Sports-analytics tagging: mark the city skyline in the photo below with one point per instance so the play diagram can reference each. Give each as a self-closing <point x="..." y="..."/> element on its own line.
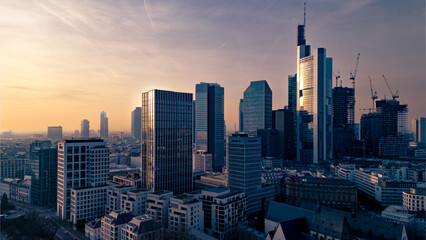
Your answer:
<point x="72" y="61"/>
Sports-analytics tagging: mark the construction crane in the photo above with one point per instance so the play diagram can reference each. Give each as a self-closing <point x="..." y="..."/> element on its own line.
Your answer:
<point x="337" y="77"/>
<point x="394" y="96"/>
<point x="352" y="77"/>
<point x="373" y="94"/>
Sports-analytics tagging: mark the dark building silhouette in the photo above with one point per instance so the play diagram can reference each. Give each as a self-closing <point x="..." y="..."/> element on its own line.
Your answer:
<point x="269" y="139"/>
<point x="343" y="119"/>
<point x="284" y="123"/>
<point x="136" y="123"/>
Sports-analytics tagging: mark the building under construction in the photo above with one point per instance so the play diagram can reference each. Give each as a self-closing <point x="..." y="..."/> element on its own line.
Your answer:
<point x="389" y="120"/>
<point x="343" y="119"/>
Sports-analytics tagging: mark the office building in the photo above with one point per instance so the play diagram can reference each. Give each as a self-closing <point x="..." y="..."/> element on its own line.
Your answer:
<point x="142" y="227"/>
<point x="85" y="129"/>
<point x="415" y="199"/>
<point x="114" y="197"/>
<point x="203" y="161"/>
<point x="314" y="103"/>
<point x="20" y="190"/>
<point x="54" y="133"/>
<point x="240" y="115"/>
<point x="135" y="201"/>
<point x="12" y="167"/>
<point x="393" y="146"/>
<point x="103" y="131"/>
<point x="112" y="224"/>
<point x="332" y="192"/>
<point x="158" y="206"/>
<point x="44" y="176"/>
<point x="136" y="123"/>
<point x="223" y="211"/>
<point x="292" y="94"/>
<point x="269" y="140"/>
<point x="343" y="120"/>
<point x="83" y="174"/>
<point x="256" y="107"/>
<point x="209" y="122"/>
<point x="167" y="141"/>
<point x="185" y="213"/>
<point x="245" y="170"/>
<point x="390" y="119"/>
<point x="130" y="179"/>
<point x="284" y="123"/>
<point x="419" y="131"/>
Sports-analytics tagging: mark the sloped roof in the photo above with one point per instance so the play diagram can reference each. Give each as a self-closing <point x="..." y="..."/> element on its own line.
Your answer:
<point x="281" y="212"/>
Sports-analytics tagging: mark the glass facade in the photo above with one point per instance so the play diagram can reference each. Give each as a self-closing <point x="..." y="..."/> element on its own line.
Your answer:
<point x="166" y="141"/>
<point x="136" y="123"/>
<point x="104" y="125"/>
<point x="257" y="107"/>
<point x="44" y="172"/>
<point x="209" y="122"/>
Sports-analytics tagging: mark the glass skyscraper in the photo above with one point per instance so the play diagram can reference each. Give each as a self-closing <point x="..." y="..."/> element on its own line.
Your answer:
<point x="85" y="128"/>
<point x="210" y="123"/>
<point x="256" y="107"/>
<point x="166" y="141"/>
<point x="44" y="174"/>
<point x="136" y="123"/>
<point x="245" y="170"/>
<point x="314" y="103"/>
<point x="104" y="125"/>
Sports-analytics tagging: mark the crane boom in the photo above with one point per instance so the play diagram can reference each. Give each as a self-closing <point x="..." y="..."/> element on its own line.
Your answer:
<point x="353" y="76"/>
<point x="394" y="96"/>
<point x="373" y="94"/>
<point x="336" y="76"/>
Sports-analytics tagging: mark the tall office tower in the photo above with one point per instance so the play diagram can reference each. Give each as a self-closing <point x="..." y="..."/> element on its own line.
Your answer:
<point x="104" y="125"/>
<point x="83" y="173"/>
<point x="286" y="129"/>
<point x="54" y="133"/>
<point x="44" y="176"/>
<point x="136" y="123"/>
<point x="85" y="128"/>
<point x="292" y="94"/>
<point x="314" y="103"/>
<point x="257" y="107"/>
<point x="241" y="116"/>
<point x="389" y="120"/>
<point x="209" y="122"/>
<point x="167" y="141"/>
<point x="343" y="119"/>
<point x="245" y="170"/>
<point x="419" y="130"/>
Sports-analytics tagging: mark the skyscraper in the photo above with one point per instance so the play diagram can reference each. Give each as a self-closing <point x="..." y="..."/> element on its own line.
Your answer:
<point x="44" y="176"/>
<point x="245" y="170"/>
<point x="241" y="116"/>
<point x="166" y="141"/>
<point x="292" y="94"/>
<point x="54" y="133"/>
<point x="85" y="128"/>
<point x="257" y="107"/>
<point x="210" y="123"/>
<point x="136" y="123"/>
<point x="104" y="125"/>
<point x="314" y="103"/>
<point x="343" y="119"/>
<point x="419" y="130"/>
<point x="285" y="125"/>
<point x="83" y="172"/>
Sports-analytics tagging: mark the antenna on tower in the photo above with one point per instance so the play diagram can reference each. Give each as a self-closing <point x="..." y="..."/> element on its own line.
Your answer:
<point x="304" y="14"/>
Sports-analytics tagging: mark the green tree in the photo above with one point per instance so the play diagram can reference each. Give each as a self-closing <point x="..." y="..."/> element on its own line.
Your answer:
<point x="5" y="205"/>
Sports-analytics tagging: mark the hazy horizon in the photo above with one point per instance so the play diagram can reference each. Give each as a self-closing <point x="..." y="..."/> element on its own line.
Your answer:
<point x="62" y="62"/>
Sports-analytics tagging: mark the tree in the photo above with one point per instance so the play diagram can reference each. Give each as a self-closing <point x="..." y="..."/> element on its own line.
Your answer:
<point x="5" y="205"/>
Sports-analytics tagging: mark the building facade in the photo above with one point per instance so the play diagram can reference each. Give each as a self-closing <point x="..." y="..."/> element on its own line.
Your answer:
<point x="136" y="123"/>
<point x="85" y="128"/>
<point x="256" y="107"/>
<point x="167" y="141"/>
<point x="142" y="228"/>
<point x="112" y="224"/>
<point x="104" y="125"/>
<point x="185" y="213"/>
<point x="158" y="206"/>
<point x="54" y="133"/>
<point x="210" y="122"/>
<point x="343" y="119"/>
<point x="415" y="199"/>
<point x="44" y="176"/>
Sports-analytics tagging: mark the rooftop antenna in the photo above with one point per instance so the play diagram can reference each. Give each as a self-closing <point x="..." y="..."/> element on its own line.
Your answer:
<point x="304" y="14"/>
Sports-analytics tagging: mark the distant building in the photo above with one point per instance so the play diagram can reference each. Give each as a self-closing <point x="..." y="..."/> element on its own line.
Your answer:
<point x="136" y="123"/>
<point x="20" y="190"/>
<point x="185" y="213"/>
<point x="269" y="139"/>
<point x="218" y="200"/>
<point x="257" y="107"/>
<point x="142" y="227"/>
<point x="245" y="170"/>
<point x="393" y="146"/>
<point x="158" y="206"/>
<point x="12" y="167"/>
<point x="130" y="179"/>
<point x="83" y="173"/>
<point x="284" y="123"/>
<point x="44" y="176"/>
<point x="54" y="133"/>
<point x="85" y="128"/>
<point x="167" y="141"/>
<point x="343" y="120"/>
<point x="104" y="125"/>
<point x="210" y="123"/>
<point x="419" y="130"/>
<point x="203" y="161"/>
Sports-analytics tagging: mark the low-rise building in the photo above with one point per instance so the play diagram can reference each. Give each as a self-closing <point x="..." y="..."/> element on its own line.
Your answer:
<point x="415" y="199"/>
<point x="113" y="223"/>
<point x="389" y="192"/>
<point x="130" y="179"/>
<point x="223" y="211"/>
<point x="20" y="190"/>
<point x="142" y="228"/>
<point x="185" y="213"/>
<point x="135" y="201"/>
<point x="88" y="203"/>
<point x="158" y="206"/>
<point x="92" y="229"/>
<point x="114" y="197"/>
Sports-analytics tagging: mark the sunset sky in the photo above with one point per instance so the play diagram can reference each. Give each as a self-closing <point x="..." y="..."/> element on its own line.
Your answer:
<point x="62" y="61"/>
